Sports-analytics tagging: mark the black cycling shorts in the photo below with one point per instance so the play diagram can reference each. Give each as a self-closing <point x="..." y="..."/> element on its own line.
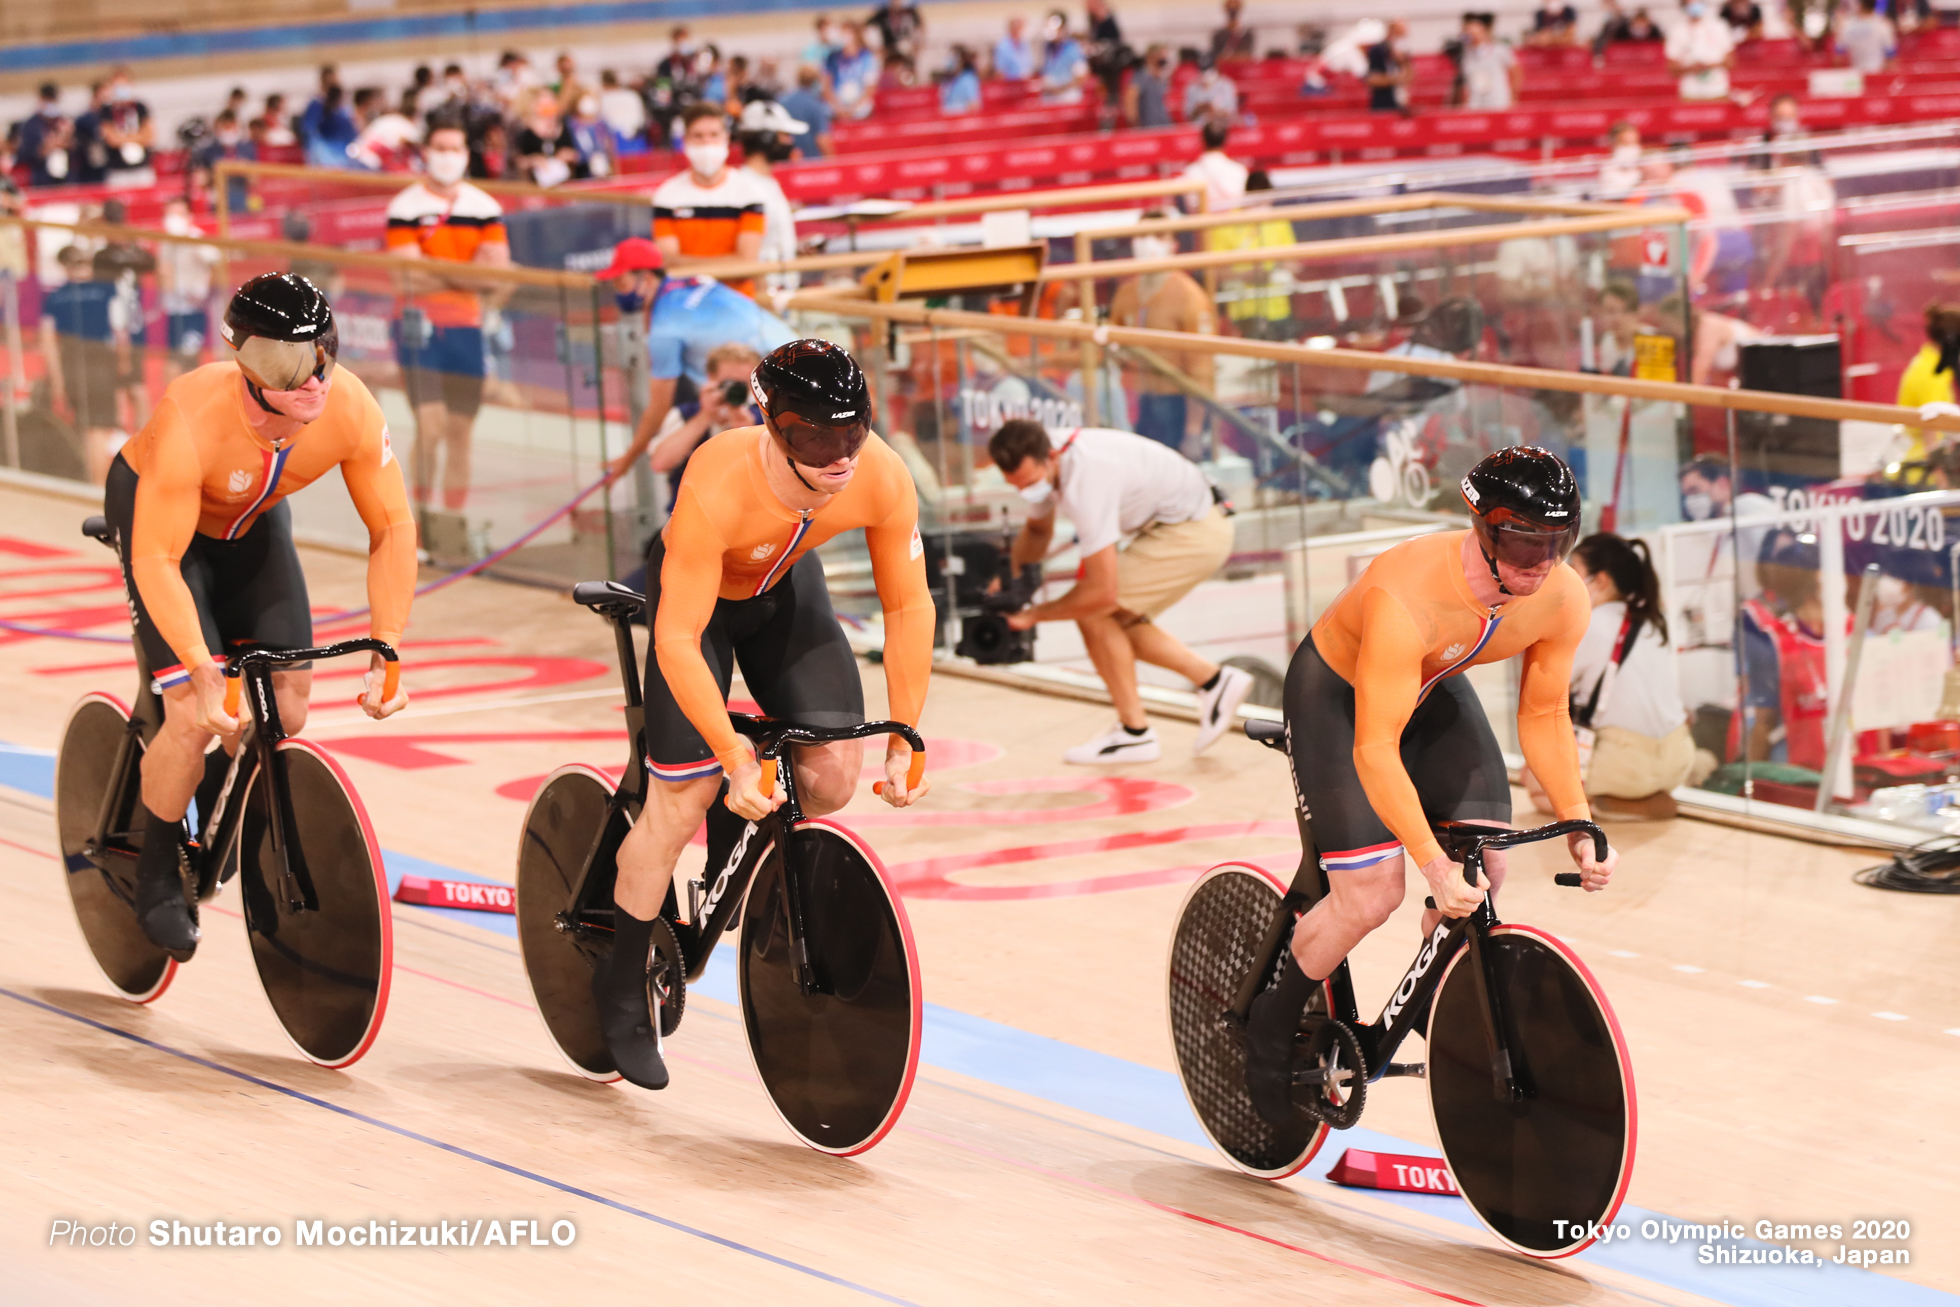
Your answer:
<point x="250" y="592"/>
<point x="795" y="662"/>
<point x="1447" y="748"/>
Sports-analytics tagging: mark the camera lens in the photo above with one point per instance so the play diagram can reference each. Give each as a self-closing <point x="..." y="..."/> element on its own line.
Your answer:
<point x="734" y="393"/>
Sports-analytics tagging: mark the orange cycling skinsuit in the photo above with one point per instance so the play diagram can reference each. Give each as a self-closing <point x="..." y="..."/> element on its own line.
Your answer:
<point x="198" y="502"/>
<point x="1377" y="682"/>
<point x="732" y="578"/>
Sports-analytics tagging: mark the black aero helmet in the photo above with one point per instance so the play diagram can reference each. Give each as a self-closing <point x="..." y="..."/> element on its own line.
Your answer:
<point x="282" y="330"/>
<point x="813" y="395"/>
<point x="1524" y="507"/>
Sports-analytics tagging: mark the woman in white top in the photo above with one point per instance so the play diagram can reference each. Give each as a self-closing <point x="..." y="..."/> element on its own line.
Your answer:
<point x="1626" y="696"/>
<point x="768" y="137"/>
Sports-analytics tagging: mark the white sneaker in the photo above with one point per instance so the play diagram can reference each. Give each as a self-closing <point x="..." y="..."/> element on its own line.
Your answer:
<point x="1113" y="746"/>
<point x="1218" y="707"/>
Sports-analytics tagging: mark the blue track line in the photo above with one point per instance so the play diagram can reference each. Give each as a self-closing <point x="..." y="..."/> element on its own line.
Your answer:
<point x="459" y="1151"/>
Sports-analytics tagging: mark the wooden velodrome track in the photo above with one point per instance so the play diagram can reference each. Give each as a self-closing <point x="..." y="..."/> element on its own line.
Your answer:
<point x="1796" y="1038"/>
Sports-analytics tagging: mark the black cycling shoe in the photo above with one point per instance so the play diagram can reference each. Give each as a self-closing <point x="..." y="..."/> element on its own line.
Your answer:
<point x="619" y="988"/>
<point x="165" y="913"/>
<point x="1272" y="1028"/>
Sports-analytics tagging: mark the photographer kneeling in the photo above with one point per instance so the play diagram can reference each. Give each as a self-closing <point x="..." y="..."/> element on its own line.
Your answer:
<point x="1113" y="484"/>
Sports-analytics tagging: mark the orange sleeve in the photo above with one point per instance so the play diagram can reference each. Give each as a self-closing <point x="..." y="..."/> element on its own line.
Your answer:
<point x="898" y="567"/>
<point x="752" y="220"/>
<point x="169" y="494"/>
<point x="495" y="234"/>
<point x="1387" y="679"/>
<point x="374" y="483"/>
<point x="1544" y="712"/>
<point x="690" y="582"/>
<point x="665" y="227"/>
<point x="402" y="236"/>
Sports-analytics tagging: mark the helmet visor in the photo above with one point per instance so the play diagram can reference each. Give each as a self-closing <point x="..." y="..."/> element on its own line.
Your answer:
<point x="284" y="364"/>
<point x="817" y="444"/>
<point x="1523" y="545"/>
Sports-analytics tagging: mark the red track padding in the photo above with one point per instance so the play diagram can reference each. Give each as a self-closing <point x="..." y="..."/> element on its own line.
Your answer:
<point x="1414" y="1175"/>
<point x="472" y="895"/>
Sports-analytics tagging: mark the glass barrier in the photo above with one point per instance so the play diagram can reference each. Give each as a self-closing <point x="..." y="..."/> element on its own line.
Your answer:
<point x="501" y="403"/>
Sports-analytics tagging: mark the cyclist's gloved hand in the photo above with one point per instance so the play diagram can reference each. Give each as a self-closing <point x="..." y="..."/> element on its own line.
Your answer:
<point x="208" y="684"/>
<point x="370" y="700"/>
<point x="745" y="797"/>
<point x="898" y="762"/>
<point x="1454" y="896"/>
<point x="1593" y="874"/>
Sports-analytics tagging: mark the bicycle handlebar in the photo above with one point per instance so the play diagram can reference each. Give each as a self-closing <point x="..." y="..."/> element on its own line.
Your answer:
<point x="771" y="736"/>
<point x="1469" y="842"/>
<point x="235" y="667"/>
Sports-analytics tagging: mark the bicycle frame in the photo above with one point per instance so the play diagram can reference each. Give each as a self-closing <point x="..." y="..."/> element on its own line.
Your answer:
<point x="1463" y="842"/>
<point x="715" y="906"/>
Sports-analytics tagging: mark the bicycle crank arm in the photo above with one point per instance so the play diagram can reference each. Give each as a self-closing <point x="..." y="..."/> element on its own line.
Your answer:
<point x="1413" y="1070"/>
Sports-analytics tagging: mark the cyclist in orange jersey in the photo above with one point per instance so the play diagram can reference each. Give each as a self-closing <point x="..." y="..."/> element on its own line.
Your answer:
<point x="733" y="580"/>
<point x="1385" y="738"/>
<point x="197" y="502"/>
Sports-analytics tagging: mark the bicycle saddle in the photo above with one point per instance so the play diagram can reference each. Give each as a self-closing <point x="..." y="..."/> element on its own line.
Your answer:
<point x="1270" y="734"/>
<point x="608" y="597"/>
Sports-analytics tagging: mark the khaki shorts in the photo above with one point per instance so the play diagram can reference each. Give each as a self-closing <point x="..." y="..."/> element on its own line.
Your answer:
<point x="1166" y="560"/>
<point x="1628" y="765"/>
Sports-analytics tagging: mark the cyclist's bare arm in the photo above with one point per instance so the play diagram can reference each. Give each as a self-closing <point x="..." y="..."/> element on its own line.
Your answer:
<point x="374" y="482"/>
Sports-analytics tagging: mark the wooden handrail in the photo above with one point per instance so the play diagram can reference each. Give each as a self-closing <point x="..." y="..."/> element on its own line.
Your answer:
<point x="1066" y="197"/>
<point x="1489" y="374"/>
<point x="1356" y="209"/>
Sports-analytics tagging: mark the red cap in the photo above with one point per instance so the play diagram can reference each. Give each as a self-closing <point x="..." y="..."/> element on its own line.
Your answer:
<point x="636" y="255"/>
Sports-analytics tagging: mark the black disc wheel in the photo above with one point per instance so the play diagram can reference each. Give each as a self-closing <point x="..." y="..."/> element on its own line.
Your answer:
<point x="1220" y="929"/>
<point x="1541" y="1171"/>
<point x="560" y="829"/>
<point x="102" y="877"/>
<point x="326" y="971"/>
<point x="838" y="1061"/>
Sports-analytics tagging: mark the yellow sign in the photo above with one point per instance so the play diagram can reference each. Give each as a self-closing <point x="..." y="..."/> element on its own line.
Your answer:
<point x="1653" y="358"/>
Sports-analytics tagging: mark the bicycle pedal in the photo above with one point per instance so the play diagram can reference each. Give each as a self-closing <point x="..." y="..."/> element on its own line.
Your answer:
<point x="1413" y="1070"/>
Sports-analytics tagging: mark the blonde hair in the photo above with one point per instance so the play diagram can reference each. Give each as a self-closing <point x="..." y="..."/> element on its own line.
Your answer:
<point x="733" y="352"/>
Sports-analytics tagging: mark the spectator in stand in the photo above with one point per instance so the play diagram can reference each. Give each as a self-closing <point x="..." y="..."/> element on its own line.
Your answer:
<point x="126" y="133"/>
<point x="1491" y="76"/>
<point x="708" y="211"/>
<point x="227" y="142"/>
<point x="901" y="28"/>
<point x="1146" y="100"/>
<point x="236" y="101"/>
<point x="1167" y="300"/>
<point x="444" y="219"/>
<point x="455" y="89"/>
<point x="598" y="148"/>
<point x="767" y="84"/>
<point x="1234" y="40"/>
<point x="1556" y="23"/>
<point x="569" y="86"/>
<point x="677" y="65"/>
<point x="1108" y="57"/>
<point x="423" y="94"/>
<point x="1064" y="68"/>
<point x="1258" y="296"/>
<point x="388" y="140"/>
<point x="1013" y="54"/>
<point x="687" y="320"/>
<point x="1211" y="97"/>
<point x="544" y="149"/>
<point x="960" y="93"/>
<point x="1616" y="321"/>
<point x="1868" y="40"/>
<point x="768" y="137"/>
<point x="1745" y="19"/>
<point x="1223" y="176"/>
<point x="624" y="111"/>
<point x="280" y="133"/>
<point x="326" y="129"/>
<point x="1390" y="70"/>
<point x="741" y="85"/>
<point x="47" y="141"/>
<point x="490" y="151"/>
<point x="823" y="44"/>
<point x="1620" y="28"/>
<point x="1622" y="173"/>
<point x="89" y="165"/>
<point x="895" y="73"/>
<point x="722" y="403"/>
<point x="710" y="78"/>
<point x="184" y="280"/>
<point x="853" y="72"/>
<point x="1928" y="379"/>
<point x="1642" y="28"/>
<point x="79" y="346"/>
<point x="806" y="104"/>
<point x="1700" y="52"/>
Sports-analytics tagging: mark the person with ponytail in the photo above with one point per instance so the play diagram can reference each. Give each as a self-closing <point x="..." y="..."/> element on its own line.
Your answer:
<point x="1928" y="379"/>
<point x="1634" y="740"/>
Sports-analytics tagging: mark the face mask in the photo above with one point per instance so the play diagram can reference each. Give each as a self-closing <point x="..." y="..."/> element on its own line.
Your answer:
<point x="457" y="86"/>
<point x="778" y="150"/>
<point x="1784" y="127"/>
<point x="1626" y="154"/>
<point x="1053" y="28"/>
<point x="588" y="107"/>
<point x="1153" y="247"/>
<point x="227" y="138"/>
<point x="121" y="94"/>
<point x="707" y="160"/>
<point x="1695" y="11"/>
<point x="51" y="111"/>
<point x="1039" y="492"/>
<point x="446" y="167"/>
<point x="177" y="224"/>
<point x="1699" y="505"/>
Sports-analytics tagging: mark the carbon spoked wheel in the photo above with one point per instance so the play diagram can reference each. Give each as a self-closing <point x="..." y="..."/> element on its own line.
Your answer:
<point x="560" y="829"/>
<point x="1220" y="928"/>
<point x="101" y="882"/>
<point x="1565" y="1154"/>
<point x="325" y="972"/>
<point x="838" y="1064"/>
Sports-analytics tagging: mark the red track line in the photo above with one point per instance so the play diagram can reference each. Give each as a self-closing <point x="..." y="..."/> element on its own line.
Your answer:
<point x="457" y="984"/>
<point x="26" y="848"/>
<point x="1189" y="1216"/>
